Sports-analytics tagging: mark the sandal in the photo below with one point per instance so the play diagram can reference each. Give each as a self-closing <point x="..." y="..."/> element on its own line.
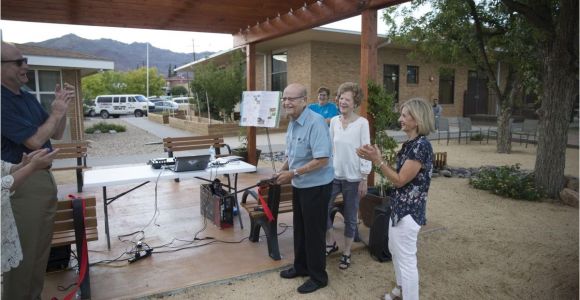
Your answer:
<point x="344" y="262"/>
<point x="395" y="294"/>
<point x="331" y="248"/>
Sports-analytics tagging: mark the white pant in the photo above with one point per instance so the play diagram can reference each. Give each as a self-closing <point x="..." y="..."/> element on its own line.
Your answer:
<point x="403" y="247"/>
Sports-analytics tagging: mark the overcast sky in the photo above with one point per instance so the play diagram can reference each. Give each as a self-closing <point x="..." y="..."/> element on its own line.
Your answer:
<point x="177" y="41"/>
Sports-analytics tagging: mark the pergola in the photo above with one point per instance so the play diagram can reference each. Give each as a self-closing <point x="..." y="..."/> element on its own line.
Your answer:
<point x="249" y="21"/>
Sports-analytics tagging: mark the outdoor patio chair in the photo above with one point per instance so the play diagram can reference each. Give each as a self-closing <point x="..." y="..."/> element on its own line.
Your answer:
<point x="492" y="131"/>
<point x="443" y="128"/>
<point x="466" y="130"/>
<point x="529" y="130"/>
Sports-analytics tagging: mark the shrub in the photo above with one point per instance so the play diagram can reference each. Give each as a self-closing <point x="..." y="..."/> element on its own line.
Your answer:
<point x="105" y="127"/>
<point x="507" y="181"/>
<point x="477" y="137"/>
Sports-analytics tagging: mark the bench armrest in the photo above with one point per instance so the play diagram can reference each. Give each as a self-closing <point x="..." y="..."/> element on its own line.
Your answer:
<point x="250" y="193"/>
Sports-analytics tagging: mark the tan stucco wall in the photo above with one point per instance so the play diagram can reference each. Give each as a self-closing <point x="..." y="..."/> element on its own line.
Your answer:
<point x="299" y="65"/>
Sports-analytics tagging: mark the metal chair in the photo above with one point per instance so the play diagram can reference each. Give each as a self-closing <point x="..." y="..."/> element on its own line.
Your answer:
<point x="466" y="129"/>
<point x="493" y="130"/>
<point x="443" y="127"/>
<point x="529" y="129"/>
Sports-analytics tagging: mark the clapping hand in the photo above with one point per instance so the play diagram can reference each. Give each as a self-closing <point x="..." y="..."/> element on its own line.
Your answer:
<point x="369" y="152"/>
<point x="63" y="96"/>
<point x="39" y="159"/>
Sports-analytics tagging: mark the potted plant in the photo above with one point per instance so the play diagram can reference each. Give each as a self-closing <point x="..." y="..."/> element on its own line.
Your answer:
<point x="381" y="108"/>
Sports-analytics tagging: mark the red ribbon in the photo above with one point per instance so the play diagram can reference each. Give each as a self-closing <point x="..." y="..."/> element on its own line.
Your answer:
<point x="265" y="205"/>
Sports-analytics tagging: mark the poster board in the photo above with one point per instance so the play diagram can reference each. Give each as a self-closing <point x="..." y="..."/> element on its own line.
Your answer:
<point x="260" y="109"/>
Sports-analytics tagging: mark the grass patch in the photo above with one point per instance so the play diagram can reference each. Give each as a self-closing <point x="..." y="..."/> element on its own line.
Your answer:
<point x="105" y="127"/>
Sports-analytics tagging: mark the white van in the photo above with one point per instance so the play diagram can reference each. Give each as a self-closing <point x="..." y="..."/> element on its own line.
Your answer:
<point x="183" y="102"/>
<point x="116" y="105"/>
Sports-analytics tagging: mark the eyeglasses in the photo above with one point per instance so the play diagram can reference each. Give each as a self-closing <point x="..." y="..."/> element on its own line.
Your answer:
<point x="18" y="62"/>
<point x="291" y="99"/>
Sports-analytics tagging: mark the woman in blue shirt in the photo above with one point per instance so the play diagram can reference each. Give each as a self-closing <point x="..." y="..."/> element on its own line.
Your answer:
<point x="411" y="179"/>
<point x="324" y="107"/>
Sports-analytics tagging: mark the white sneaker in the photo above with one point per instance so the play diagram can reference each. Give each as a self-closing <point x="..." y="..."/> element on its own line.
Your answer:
<point x="395" y="294"/>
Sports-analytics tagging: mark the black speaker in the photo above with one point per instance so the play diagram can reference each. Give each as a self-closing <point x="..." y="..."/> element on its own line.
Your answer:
<point x="379" y="235"/>
<point x="59" y="258"/>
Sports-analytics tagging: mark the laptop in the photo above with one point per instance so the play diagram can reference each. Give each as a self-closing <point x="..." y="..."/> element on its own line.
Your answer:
<point x="190" y="163"/>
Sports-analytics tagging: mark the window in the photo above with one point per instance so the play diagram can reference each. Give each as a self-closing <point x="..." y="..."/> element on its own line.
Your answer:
<point x="279" y="71"/>
<point x="446" y="85"/>
<point x="41" y="84"/>
<point x="105" y="100"/>
<point x="391" y="80"/>
<point x="412" y="75"/>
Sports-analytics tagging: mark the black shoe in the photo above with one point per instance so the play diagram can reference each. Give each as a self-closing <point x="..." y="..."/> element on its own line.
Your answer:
<point x="309" y="286"/>
<point x="290" y="273"/>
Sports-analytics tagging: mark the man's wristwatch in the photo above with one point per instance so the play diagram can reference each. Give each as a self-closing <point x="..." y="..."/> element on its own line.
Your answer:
<point x="295" y="172"/>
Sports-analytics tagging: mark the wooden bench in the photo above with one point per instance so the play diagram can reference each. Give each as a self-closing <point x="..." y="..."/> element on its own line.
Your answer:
<point x="279" y="201"/>
<point x="74" y="150"/>
<point x="176" y="144"/>
<point x="69" y="228"/>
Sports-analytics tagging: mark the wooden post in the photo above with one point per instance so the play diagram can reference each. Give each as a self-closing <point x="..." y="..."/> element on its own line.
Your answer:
<point x="251" y="86"/>
<point x="368" y="66"/>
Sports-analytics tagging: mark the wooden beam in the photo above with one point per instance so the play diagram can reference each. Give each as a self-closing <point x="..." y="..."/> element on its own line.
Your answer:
<point x="309" y="16"/>
<point x="368" y="66"/>
<point x="251" y="86"/>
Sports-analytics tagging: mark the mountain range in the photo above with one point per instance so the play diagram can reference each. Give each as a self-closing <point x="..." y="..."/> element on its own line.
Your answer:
<point x="126" y="56"/>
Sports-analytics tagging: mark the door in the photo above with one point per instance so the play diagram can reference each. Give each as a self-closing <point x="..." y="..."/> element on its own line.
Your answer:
<point x="476" y="97"/>
<point x="391" y="80"/>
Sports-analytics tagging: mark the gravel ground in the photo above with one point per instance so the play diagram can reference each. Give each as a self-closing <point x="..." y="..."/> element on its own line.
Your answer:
<point x="131" y="142"/>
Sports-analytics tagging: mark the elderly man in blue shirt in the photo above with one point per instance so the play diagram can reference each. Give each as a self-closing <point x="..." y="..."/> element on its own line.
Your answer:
<point x="309" y="167"/>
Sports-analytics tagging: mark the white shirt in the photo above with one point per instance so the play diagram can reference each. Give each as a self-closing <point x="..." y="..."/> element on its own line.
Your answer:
<point x="11" y="251"/>
<point x="347" y="165"/>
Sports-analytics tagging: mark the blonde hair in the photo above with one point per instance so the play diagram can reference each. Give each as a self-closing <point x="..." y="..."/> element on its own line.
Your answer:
<point x="357" y="93"/>
<point x="422" y="112"/>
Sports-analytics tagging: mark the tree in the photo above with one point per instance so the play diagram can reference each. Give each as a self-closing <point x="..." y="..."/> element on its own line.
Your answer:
<point x="223" y="85"/>
<point x="539" y="40"/>
<point x="132" y="82"/>
<point x="481" y="35"/>
<point x="136" y="82"/>
<point x="555" y="25"/>
<point x="179" y="91"/>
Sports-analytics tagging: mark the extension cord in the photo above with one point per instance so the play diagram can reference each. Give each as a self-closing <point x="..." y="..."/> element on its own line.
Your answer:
<point x="138" y="256"/>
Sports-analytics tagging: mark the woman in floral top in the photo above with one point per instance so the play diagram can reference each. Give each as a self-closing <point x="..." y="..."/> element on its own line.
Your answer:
<point x="12" y="177"/>
<point x="411" y="179"/>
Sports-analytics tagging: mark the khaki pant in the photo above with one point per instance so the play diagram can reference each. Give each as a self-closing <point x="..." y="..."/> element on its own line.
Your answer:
<point x="34" y="204"/>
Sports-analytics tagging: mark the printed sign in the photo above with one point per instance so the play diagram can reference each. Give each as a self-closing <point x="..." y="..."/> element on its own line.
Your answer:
<point x="260" y="109"/>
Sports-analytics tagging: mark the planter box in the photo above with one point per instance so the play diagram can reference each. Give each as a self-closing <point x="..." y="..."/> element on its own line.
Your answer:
<point x="158" y="118"/>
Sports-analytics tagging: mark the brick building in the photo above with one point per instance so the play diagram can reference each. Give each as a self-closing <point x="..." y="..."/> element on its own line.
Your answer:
<point x="328" y="57"/>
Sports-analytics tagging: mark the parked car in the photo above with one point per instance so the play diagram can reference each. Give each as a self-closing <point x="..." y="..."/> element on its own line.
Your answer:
<point x="183" y="102"/>
<point x="116" y="105"/>
<point x="166" y="106"/>
<point x="155" y="99"/>
<point x="89" y="110"/>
